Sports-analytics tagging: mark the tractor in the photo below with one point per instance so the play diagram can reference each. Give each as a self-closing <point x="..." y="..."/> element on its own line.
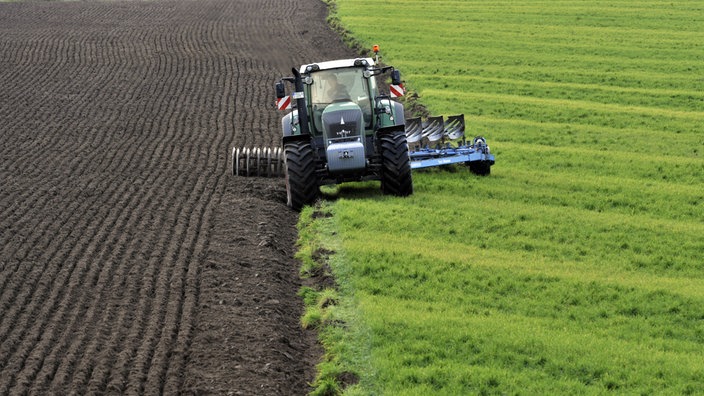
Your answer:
<point x="341" y="127"/>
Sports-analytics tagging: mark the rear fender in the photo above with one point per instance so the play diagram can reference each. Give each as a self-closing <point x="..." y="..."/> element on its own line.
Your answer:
<point x="399" y="115"/>
<point x="401" y="128"/>
<point x="297" y="138"/>
<point x="287" y="123"/>
<point x="389" y="112"/>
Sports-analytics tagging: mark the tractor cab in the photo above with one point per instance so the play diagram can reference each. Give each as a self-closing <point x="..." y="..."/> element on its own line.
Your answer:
<point x="340" y="88"/>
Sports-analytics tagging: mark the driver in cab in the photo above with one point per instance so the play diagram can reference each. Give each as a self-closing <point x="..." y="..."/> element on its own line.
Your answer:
<point x="335" y="91"/>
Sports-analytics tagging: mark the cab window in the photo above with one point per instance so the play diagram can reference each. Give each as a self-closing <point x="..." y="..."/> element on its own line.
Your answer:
<point x="336" y="85"/>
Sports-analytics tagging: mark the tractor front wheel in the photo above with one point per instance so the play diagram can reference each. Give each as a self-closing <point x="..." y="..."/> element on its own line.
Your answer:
<point x="301" y="183"/>
<point x="396" y="176"/>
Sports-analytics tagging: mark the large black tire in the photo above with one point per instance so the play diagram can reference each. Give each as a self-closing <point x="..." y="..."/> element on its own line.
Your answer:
<point x="301" y="183"/>
<point x="481" y="168"/>
<point x="396" y="176"/>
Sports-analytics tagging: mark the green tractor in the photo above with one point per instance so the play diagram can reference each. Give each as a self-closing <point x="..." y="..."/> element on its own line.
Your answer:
<point x="341" y="129"/>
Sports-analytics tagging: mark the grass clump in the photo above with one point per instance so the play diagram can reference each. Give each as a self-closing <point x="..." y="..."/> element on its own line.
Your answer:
<point x="329" y="306"/>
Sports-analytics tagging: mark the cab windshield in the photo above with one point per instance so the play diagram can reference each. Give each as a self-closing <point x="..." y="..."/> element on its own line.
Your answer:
<point x="340" y="85"/>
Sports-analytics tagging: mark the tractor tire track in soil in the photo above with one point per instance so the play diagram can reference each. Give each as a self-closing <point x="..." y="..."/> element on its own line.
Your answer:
<point x="130" y="260"/>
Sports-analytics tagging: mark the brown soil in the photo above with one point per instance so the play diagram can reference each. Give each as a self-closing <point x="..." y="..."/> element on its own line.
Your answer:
<point x="131" y="261"/>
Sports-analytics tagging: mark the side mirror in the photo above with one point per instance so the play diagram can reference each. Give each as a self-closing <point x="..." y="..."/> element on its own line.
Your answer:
<point x="396" y="77"/>
<point x="280" y="90"/>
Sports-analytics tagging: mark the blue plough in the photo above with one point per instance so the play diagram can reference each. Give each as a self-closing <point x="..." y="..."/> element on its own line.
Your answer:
<point x="438" y="142"/>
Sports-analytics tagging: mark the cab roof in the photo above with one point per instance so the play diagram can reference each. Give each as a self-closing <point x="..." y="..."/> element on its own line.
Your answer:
<point x="336" y="64"/>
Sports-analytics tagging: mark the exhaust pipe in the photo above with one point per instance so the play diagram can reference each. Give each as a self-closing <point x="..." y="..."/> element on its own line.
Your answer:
<point x="299" y="95"/>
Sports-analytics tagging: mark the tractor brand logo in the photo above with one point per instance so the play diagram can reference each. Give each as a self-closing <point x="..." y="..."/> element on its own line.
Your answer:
<point x="343" y="133"/>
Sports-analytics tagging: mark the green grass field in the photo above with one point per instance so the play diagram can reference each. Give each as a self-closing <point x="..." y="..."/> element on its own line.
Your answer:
<point x="577" y="267"/>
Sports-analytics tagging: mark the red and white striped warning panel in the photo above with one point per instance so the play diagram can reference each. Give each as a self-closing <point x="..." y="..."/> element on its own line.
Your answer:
<point x="284" y="103"/>
<point x="396" y="90"/>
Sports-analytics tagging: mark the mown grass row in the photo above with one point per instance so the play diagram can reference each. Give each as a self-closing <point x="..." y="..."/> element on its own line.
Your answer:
<point x="575" y="268"/>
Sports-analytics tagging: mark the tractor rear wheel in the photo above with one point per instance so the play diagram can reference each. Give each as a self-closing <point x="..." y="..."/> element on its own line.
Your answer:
<point x="396" y="176"/>
<point x="481" y="168"/>
<point x="301" y="183"/>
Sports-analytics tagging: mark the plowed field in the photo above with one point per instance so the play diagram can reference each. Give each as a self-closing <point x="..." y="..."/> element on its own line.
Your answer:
<point x="131" y="261"/>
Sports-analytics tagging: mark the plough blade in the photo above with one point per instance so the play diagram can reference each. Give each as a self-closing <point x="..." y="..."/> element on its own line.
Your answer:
<point x="262" y="162"/>
<point x="434" y="130"/>
<point x="414" y="131"/>
<point x="454" y="127"/>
